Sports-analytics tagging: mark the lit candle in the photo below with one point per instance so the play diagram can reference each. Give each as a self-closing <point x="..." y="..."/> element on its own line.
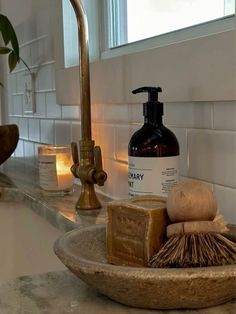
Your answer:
<point x="54" y="168"/>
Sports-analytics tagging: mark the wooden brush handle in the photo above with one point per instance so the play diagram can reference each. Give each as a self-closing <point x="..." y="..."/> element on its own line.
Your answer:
<point x="193" y="227"/>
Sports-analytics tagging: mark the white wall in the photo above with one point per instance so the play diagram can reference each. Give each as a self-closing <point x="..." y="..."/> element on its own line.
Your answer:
<point x="206" y="130"/>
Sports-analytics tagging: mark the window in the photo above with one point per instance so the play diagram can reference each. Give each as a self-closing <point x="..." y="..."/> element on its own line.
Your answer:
<point x="131" y="21"/>
<point x="134" y="20"/>
<point x="70" y="35"/>
<point x="192" y="64"/>
<point x="70" y="31"/>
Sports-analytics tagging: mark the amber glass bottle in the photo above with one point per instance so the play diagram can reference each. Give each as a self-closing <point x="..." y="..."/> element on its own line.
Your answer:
<point x="153" y="151"/>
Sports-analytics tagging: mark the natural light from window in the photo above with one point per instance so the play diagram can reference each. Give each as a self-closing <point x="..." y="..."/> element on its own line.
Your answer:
<point x="134" y="20"/>
<point x="154" y="17"/>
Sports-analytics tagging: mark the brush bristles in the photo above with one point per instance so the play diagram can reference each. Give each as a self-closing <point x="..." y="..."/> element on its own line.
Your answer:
<point x="195" y="250"/>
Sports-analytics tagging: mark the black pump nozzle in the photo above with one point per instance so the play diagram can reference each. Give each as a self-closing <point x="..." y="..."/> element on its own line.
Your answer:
<point x="152" y="92"/>
<point x="153" y="108"/>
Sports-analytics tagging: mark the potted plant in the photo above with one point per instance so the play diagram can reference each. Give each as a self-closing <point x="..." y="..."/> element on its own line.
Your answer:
<point x="11" y="45"/>
<point x="9" y="134"/>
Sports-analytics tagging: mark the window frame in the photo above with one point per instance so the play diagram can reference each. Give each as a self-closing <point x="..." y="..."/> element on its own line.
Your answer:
<point x="189" y="33"/>
<point x="118" y="62"/>
<point x="118" y="34"/>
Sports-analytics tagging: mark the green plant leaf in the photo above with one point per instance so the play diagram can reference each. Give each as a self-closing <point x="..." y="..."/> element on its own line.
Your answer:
<point x="9" y="35"/>
<point x="4" y="29"/>
<point x="26" y="65"/>
<point x="12" y="61"/>
<point x="4" y="50"/>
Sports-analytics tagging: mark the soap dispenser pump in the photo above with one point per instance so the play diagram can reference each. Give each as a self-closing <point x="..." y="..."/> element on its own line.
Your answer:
<point x="153" y="163"/>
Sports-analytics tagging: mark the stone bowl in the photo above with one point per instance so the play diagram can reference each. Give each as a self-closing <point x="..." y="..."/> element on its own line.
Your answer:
<point x="9" y="136"/>
<point x="83" y="251"/>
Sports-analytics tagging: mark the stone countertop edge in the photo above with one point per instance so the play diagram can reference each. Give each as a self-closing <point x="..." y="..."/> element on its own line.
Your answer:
<point x="20" y="183"/>
<point x="53" y="216"/>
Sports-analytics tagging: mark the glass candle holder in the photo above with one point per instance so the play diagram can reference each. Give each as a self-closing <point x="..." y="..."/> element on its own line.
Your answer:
<point x="54" y="169"/>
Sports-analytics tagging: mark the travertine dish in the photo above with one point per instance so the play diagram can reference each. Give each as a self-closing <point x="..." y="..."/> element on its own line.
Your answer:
<point x="83" y="251"/>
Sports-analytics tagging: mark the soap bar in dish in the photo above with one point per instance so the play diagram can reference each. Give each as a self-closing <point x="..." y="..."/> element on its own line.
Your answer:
<point x="135" y="230"/>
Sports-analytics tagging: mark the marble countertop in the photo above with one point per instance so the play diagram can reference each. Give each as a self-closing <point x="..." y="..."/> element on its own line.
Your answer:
<point x="19" y="181"/>
<point x="61" y="292"/>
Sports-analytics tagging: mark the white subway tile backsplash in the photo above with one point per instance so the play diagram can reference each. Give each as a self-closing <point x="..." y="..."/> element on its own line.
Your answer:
<point x="34" y="130"/>
<point x="53" y="110"/>
<point x="107" y="140"/>
<point x="212" y="156"/>
<point x="20" y="77"/>
<point x="47" y="131"/>
<point x="122" y="138"/>
<point x="191" y="115"/>
<point x="53" y="76"/>
<point x="97" y="112"/>
<point x="205" y="130"/>
<point x="17" y="105"/>
<point x="76" y="132"/>
<point x="25" y="54"/>
<point x="116" y="113"/>
<point x="136" y="113"/>
<point x="96" y="133"/>
<point x="29" y="152"/>
<point x="23" y="128"/>
<point x="19" y="151"/>
<point x="100" y="77"/>
<point x="226" y="199"/>
<point x="48" y="48"/>
<point x="44" y="78"/>
<point x="37" y="52"/>
<point x="181" y="135"/>
<point x="36" y="146"/>
<point x="10" y="105"/>
<point x="26" y="32"/>
<point x="224" y="115"/>
<point x="12" y="81"/>
<point x="71" y="112"/>
<point x="40" y="105"/>
<point x="117" y="180"/>
<point x="13" y="120"/>
<point x="62" y="132"/>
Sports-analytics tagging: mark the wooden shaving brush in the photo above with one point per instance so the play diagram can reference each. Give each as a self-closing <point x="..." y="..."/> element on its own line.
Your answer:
<point x="194" y="237"/>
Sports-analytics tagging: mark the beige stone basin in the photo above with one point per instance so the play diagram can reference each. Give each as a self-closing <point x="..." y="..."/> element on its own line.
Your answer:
<point x="83" y="251"/>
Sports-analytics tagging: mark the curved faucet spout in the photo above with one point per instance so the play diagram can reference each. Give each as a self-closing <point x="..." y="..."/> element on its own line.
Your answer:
<point x="84" y="69"/>
<point x="87" y="169"/>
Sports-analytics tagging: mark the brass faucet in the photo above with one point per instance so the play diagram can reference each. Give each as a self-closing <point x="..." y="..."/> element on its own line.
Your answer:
<point x="89" y="168"/>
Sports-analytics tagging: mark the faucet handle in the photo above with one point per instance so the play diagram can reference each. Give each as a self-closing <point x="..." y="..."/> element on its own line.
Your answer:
<point x="100" y="175"/>
<point x="75" y="158"/>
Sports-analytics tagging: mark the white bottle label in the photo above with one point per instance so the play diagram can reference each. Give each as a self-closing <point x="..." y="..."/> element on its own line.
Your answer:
<point x="48" y="173"/>
<point x="152" y="175"/>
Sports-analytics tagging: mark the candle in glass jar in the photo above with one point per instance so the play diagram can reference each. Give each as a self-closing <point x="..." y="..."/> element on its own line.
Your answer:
<point x="54" y="168"/>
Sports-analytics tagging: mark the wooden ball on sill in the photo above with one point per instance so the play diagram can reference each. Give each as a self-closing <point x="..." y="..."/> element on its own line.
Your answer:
<point x="191" y="201"/>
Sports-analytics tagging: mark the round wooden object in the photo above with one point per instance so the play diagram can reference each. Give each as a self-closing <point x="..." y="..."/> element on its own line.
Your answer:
<point x="191" y="201"/>
<point x="9" y="136"/>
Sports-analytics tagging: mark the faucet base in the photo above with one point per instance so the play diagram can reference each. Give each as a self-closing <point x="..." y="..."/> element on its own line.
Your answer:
<point x="88" y="199"/>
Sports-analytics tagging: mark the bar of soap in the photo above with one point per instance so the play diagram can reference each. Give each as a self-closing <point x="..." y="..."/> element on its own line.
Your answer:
<point x="135" y="230"/>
